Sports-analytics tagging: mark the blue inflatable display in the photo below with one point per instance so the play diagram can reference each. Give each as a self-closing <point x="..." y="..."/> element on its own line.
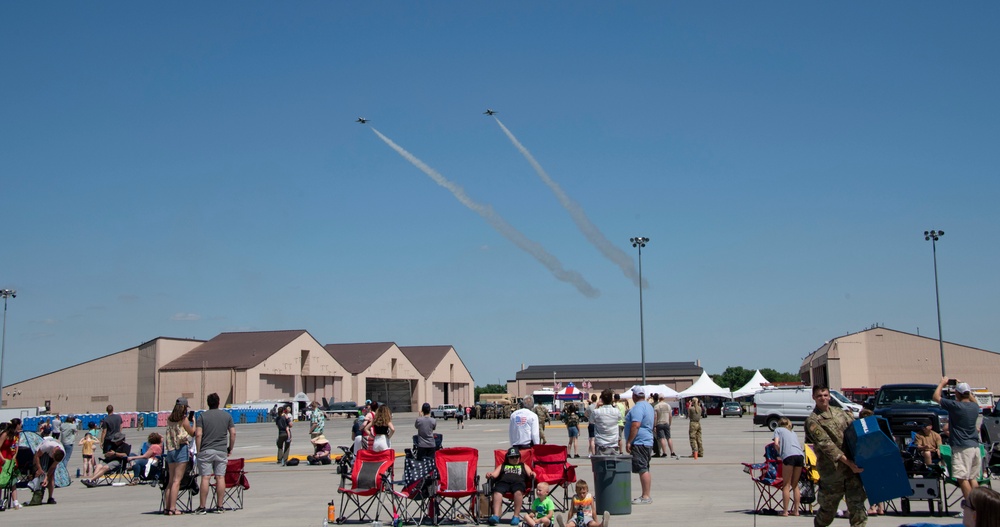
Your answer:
<point x="884" y="476"/>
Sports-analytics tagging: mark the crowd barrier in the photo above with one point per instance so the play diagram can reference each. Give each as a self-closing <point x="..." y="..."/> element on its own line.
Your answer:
<point x="148" y="419"/>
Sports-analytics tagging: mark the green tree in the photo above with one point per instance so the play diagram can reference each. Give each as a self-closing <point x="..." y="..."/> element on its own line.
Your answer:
<point x="733" y="378"/>
<point x="490" y="388"/>
<point x="776" y="376"/>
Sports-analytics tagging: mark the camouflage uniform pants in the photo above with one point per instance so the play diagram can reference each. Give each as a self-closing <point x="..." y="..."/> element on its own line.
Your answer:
<point x="694" y="434"/>
<point x="835" y="484"/>
<point x="541" y="432"/>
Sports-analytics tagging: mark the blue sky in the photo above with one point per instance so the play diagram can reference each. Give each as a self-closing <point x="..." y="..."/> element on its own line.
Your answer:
<point x="184" y="169"/>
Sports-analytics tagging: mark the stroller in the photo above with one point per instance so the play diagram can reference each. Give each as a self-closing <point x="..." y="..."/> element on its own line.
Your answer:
<point x="345" y="463"/>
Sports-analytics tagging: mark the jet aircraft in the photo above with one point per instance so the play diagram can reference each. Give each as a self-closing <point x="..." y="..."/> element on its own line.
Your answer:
<point x="361" y="120"/>
<point x="489" y="112"/>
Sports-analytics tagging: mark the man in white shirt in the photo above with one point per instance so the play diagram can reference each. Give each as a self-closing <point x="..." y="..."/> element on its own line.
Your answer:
<point x="605" y="418"/>
<point x="48" y="455"/>
<point x="524" y="425"/>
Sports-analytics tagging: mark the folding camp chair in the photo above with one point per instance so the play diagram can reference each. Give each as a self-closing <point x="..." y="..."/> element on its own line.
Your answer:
<point x="551" y="466"/>
<point x="123" y="471"/>
<point x="458" y="482"/>
<point x="954" y="496"/>
<point x="370" y="478"/>
<point x="236" y="484"/>
<point x="766" y="477"/>
<point x="528" y="458"/>
<point x="414" y="501"/>
<point x="8" y="481"/>
<point x="188" y="489"/>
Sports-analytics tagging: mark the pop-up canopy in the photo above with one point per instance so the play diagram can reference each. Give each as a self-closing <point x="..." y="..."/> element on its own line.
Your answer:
<point x="569" y="393"/>
<point x="662" y="389"/>
<point x="751" y="387"/>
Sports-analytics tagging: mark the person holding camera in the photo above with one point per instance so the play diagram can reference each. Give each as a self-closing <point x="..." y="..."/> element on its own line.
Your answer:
<point x="963" y="413"/>
<point x="178" y="452"/>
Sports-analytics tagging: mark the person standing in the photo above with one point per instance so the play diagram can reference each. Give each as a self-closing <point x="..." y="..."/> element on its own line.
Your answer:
<point x="639" y="441"/>
<point x="67" y="435"/>
<point x="694" y="428"/>
<point x="317" y="422"/>
<point x="177" y="452"/>
<point x="620" y="405"/>
<point x="215" y="437"/>
<point x="284" y="442"/>
<point x="664" y="418"/>
<point x="605" y="419"/>
<point x="110" y="425"/>
<point x="572" y="421"/>
<point x="589" y="414"/>
<point x="523" y="429"/>
<point x="838" y="474"/>
<point x="425" y="425"/>
<point x="543" y="417"/>
<point x="792" y="458"/>
<point x="56" y="425"/>
<point x="963" y="413"/>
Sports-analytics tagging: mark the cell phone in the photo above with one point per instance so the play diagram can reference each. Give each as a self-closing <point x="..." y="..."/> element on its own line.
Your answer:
<point x="952" y="382"/>
<point x="191" y="415"/>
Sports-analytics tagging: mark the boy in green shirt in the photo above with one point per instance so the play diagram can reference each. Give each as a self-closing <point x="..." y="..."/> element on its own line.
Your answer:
<point x="542" y="508"/>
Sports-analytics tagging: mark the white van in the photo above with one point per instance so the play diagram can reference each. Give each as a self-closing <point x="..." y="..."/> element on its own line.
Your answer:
<point x="795" y="403"/>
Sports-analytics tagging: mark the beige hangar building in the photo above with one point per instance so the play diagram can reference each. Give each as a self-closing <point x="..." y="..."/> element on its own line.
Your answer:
<point x="879" y="355"/>
<point x="250" y="366"/>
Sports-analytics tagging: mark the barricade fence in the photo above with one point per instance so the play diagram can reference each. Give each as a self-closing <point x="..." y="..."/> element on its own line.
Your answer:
<point x="143" y="419"/>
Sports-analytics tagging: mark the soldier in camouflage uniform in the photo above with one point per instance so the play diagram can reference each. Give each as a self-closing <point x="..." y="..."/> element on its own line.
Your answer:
<point x="694" y="429"/>
<point x="838" y="475"/>
<point x="543" y="417"/>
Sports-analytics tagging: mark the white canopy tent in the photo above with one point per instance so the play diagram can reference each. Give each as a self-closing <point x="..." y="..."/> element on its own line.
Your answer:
<point x="751" y="387"/>
<point x="661" y="389"/>
<point x="705" y="387"/>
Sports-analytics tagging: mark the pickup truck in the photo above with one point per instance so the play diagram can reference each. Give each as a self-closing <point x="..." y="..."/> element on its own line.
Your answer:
<point x="444" y="411"/>
<point x="908" y="407"/>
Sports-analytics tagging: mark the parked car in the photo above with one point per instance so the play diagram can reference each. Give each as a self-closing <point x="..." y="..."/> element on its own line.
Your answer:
<point x="732" y="409"/>
<point x="444" y="411"/>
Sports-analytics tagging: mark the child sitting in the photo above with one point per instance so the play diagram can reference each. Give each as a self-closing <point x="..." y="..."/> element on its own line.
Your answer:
<point x="542" y="508"/>
<point x="583" y="510"/>
<point x="509" y="478"/>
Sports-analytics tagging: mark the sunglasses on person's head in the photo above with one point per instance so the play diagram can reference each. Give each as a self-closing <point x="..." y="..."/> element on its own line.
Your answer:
<point x="967" y="505"/>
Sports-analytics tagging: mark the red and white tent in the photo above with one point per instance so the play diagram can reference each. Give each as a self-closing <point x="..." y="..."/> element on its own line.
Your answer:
<point x="570" y="393"/>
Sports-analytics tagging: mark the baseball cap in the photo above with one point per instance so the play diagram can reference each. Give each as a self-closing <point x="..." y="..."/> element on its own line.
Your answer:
<point x="963" y="388"/>
<point x="183" y="401"/>
<point x="639" y="390"/>
<point x="513" y="452"/>
<point x="368" y="401"/>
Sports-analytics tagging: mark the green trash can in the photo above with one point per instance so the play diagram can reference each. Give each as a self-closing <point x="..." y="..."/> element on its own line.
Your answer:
<point x="612" y="484"/>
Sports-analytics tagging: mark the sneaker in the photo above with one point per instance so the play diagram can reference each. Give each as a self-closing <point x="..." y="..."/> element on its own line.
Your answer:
<point x="51" y="501"/>
<point x="674" y="456"/>
<point x="516" y="520"/>
<point x="642" y="501"/>
<point x="560" y="521"/>
<point x="200" y="511"/>
<point x="218" y="511"/>
<point x="89" y="483"/>
<point x="493" y="520"/>
<point x="607" y="519"/>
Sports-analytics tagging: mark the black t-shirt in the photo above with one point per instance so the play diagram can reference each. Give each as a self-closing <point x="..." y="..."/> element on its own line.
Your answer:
<point x="512" y="473"/>
<point x="123" y="448"/>
<point x="282" y="423"/>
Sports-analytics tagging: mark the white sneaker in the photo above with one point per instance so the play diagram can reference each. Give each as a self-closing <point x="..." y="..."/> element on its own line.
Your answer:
<point x="607" y="519"/>
<point x="560" y="521"/>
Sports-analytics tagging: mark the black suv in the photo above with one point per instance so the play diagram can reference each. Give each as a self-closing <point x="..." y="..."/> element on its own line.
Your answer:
<point x="908" y="407"/>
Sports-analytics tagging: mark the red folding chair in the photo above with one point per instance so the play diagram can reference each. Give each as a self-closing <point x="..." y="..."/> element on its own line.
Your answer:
<point x="236" y="484"/>
<point x="767" y="480"/>
<point x="551" y="466"/>
<point x="370" y="479"/>
<point x="457" y="491"/>
<point x="528" y="458"/>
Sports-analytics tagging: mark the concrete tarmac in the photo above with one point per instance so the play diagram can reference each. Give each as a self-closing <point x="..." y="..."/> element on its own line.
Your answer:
<point x="712" y="490"/>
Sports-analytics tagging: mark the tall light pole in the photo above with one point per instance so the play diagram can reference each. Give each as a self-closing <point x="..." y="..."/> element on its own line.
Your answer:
<point x="640" y="242"/>
<point x="5" y="293"/>
<point x="933" y="237"/>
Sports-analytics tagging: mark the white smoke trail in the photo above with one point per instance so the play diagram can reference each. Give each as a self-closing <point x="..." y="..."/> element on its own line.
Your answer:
<point x="498" y="223"/>
<point x="589" y="230"/>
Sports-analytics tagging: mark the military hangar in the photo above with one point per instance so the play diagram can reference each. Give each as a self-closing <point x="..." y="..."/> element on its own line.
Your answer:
<point x="249" y="366"/>
<point x="879" y="355"/>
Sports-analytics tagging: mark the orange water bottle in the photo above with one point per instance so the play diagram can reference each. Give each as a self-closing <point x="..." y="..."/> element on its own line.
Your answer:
<point x="331" y="511"/>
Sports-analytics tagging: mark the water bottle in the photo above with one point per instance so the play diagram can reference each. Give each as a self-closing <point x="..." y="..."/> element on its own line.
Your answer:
<point x="331" y="513"/>
<point x="579" y="517"/>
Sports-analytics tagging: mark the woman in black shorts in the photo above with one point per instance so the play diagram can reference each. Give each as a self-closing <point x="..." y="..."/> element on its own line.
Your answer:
<point x="792" y="460"/>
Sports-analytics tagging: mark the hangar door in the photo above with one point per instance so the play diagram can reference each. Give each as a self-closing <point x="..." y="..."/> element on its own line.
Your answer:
<point x="397" y="393"/>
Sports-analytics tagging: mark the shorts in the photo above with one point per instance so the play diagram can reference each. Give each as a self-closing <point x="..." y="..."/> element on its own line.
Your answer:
<point x="573" y="431"/>
<point x="45" y="461"/>
<point x="88" y="456"/>
<point x="508" y="488"/>
<point x="966" y="463"/>
<point x="586" y="520"/>
<point x="459" y="417"/>
<point x="663" y="431"/>
<point x="181" y="455"/>
<point x="211" y="463"/>
<point x="794" y="461"/>
<point x="591" y="430"/>
<point x="113" y="466"/>
<point x="640" y="458"/>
